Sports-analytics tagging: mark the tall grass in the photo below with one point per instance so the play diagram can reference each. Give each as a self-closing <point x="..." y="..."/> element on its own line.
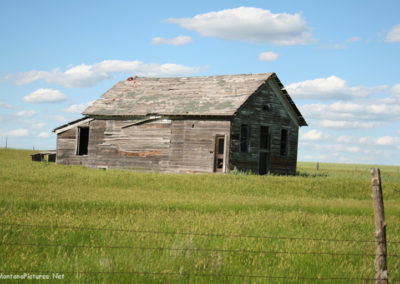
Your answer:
<point x="214" y="219"/>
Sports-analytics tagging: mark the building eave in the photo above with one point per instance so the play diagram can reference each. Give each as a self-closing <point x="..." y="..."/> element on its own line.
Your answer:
<point x="72" y="124"/>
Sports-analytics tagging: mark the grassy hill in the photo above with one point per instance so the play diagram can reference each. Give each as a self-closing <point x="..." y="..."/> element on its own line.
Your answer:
<point x="121" y="226"/>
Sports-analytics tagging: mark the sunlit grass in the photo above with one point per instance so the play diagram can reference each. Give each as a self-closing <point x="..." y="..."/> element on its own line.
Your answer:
<point x="332" y="203"/>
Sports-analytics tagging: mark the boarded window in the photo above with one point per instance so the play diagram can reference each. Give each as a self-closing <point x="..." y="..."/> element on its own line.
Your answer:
<point x="83" y="141"/>
<point x="245" y="138"/>
<point x="264" y="137"/>
<point x="284" y="142"/>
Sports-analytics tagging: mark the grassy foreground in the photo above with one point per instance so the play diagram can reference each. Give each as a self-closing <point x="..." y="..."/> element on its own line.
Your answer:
<point x="88" y="225"/>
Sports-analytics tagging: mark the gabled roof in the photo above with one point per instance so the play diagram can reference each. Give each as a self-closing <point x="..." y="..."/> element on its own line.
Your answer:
<point x="195" y="96"/>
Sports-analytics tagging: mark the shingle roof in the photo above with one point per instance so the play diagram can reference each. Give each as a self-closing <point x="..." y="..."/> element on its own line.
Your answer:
<point x="208" y="95"/>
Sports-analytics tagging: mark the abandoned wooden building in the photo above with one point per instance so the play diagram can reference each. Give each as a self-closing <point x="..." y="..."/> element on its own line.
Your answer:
<point x="49" y="156"/>
<point x="187" y="124"/>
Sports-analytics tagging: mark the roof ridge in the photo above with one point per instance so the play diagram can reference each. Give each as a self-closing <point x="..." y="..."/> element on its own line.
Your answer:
<point x="212" y="95"/>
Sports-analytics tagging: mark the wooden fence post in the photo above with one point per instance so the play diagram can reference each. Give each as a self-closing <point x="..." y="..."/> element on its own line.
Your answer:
<point x="381" y="275"/>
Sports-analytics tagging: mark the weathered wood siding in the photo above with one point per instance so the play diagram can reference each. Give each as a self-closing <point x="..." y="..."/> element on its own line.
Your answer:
<point x="264" y="109"/>
<point x="193" y="144"/>
<point x="111" y="145"/>
<point x="66" y="147"/>
<point x="162" y="145"/>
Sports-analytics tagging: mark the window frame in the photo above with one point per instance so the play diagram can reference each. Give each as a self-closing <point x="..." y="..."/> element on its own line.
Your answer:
<point x="79" y="143"/>
<point x="284" y="143"/>
<point x="265" y="141"/>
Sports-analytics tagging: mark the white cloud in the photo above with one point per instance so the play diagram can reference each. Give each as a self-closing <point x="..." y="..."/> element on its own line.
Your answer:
<point x="345" y="139"/>
<point x="58" y="118"/>
<point x="4" y="105"/>
<point x="15" y="133"/>
<point x="313" y="135"/>
<point x="394" y="34"/>
<point x="44" y="135"/>
<point x="37" y="125"/>
<point x="27" y="122"/>
<point x="379" y="110"/>
<point x="354" y="39"/>
<point x="395" y="91"/>
<point x="343" y="124"/>
<point x="355" y="140"/>
<point x="268" y="56"/>
<point x="89" y="75"/>
<point x="357" y="113"/>
<point x="365" y="140"/>
<point x="179" y="40"/>
<point x="330" y="88"/>
<point x="169" y="69"/>
<point x="78" y="108"/>
<point x="26" y="113"/>
<point x="352" y="149"/>
<point x="249" y="24"/>
<point x="45" y="96"/>
<point x="388" y="141"/>
<point x="334" y="46"/>
<point x="369" y="141"/>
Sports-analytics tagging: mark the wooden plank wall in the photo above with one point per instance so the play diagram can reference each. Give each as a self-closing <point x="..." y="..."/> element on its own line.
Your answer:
<point x="276" y="118"/>
<point x="66" y="147"/>
<point x="193" y="144"/>
<point x="137" y="147"/>
<point x="160" y="145"/>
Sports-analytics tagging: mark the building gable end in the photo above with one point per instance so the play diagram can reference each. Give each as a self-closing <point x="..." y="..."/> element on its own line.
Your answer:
<point x="285" y="104"/>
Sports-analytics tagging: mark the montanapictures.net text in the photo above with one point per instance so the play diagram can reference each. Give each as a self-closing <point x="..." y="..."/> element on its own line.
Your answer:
<point x="29" y="276"/>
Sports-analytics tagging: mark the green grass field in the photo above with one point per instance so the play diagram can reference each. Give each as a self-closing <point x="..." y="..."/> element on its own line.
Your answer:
<point x="121" y="226"/>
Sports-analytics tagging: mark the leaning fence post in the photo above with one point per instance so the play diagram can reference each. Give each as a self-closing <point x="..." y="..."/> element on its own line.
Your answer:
<point x="381" y="275"/>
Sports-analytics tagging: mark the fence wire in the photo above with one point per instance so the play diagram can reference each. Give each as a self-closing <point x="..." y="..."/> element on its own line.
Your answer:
<point x="179" y="274"/>
<point x="190" y="249"/>
<point x="193" y="233"/>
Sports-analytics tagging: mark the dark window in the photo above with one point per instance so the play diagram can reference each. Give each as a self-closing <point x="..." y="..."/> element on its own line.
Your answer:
<point x="284" y="142"/>
<point x="264" y="137"/>
<point x="219" y="153"/>
<point x="83" y="141"/>
<point x="244" y="138"/>
<point x="267" y="108"/>
<point x="220" y="146"/>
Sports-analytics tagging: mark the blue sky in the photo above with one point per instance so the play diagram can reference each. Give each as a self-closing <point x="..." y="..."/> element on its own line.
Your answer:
<point x="339" y="60"/>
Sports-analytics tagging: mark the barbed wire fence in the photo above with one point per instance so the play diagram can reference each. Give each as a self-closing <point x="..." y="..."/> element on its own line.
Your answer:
<point x="208" y="250"/>
<point x="379" y="253"/>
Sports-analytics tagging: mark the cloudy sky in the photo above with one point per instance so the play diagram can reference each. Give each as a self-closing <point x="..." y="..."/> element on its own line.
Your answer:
<point x="339" y="60"/>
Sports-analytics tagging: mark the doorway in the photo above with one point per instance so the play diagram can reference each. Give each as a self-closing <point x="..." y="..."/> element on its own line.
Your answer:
<point x="264" y="163"/>
<point x="83" y="141"/>
<point x="264" y="160"/>
<point x="219" y="160"/>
